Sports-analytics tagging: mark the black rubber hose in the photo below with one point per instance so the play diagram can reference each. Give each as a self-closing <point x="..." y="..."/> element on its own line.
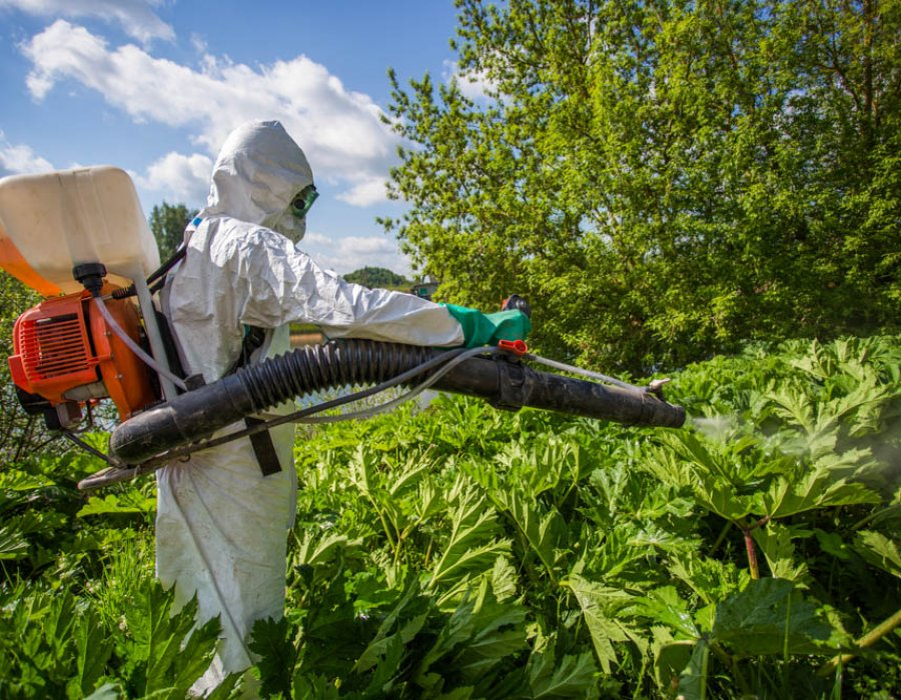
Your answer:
<point x="197" y="414"/>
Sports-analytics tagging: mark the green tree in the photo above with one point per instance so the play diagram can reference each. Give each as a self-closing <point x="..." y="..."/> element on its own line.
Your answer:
<point x="376" y="277"/>
<point x="167" y="223"/>
<point x="662" y="179"/>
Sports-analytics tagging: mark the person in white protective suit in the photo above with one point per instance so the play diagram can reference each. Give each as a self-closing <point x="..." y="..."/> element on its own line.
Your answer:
<point x="223" y="518"/>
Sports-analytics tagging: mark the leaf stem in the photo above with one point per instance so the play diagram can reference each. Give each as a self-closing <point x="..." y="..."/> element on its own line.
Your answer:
<point x="867" y="640"/>
<point x="722" y="536"/>
<point x="752" y="552"/>
<point x="732" y="663"/>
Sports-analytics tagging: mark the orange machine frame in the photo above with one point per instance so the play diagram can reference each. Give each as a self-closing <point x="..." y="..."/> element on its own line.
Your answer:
<point x="60" y="345"/>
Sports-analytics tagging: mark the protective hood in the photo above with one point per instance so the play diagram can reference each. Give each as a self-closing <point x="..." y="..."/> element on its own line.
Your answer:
<point x="258" y="172"/>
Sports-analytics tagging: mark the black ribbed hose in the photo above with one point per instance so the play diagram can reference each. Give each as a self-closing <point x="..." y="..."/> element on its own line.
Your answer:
<point x="197" y="414"/>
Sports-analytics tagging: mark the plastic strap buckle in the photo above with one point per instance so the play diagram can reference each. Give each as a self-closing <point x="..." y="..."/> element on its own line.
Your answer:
<point x="517" y="347"/>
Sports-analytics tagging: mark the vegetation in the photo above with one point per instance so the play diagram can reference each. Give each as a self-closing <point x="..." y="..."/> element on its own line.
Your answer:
<point x="378" y="277"/>
<point x="20" y="434"/>
<point x="465" y="552"/>
<point x="665" y="179"/>
<point x="167" y="223"/>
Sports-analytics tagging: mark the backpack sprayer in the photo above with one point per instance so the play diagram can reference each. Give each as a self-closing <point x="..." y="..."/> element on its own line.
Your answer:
<point x="80" y="239"/>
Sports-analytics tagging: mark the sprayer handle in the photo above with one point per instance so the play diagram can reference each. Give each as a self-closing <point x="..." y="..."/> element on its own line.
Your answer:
<point x="514" y="301"/>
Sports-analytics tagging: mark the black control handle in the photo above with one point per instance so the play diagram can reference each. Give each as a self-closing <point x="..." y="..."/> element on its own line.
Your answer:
<point x="514" y="301"/>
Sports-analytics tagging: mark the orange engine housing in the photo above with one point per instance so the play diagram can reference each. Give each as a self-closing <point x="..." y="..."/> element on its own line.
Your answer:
<point x="64" y="352"/>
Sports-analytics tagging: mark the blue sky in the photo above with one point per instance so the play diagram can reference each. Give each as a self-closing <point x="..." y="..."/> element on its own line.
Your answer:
<point x="154" y="86"/>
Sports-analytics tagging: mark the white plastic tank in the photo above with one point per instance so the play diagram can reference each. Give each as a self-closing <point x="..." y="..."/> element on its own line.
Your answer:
<point x="61" y="219"/>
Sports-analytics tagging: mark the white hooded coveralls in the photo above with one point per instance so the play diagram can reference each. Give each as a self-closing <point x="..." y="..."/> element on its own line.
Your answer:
<point x="221" y="525"/>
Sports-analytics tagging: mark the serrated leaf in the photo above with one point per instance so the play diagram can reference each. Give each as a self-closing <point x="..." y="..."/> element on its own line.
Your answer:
<point x="127" y="502"/>
<point x="570" y="677"/>
<point x="12" y="543"/>
<point x="497" y="631"/>
<point x="173" y="651"/>
<point x="504" y="581"/>
<point x="816" y="489"/>
<point x="471" y="544"/>
<point x="775" y="541"/>
<point x="93" y="649"/>
<point x="399" y="627"/>
<point x="879" y="550"/>
<point x="712" y="580"/>
<point x="664" y="605"/>
<point x="18" y="480"/>
<point x="832" y="543"/>
<point x="599" y="605"/>
<point x="725" y="502"/>
<point x="770" y="617"/>
<point x="108" y="691"/>
<point x="315" y="551"/>
<point x="542" y="531"/>
<point x="314" y="686"/>
<point x="277" y="656"/>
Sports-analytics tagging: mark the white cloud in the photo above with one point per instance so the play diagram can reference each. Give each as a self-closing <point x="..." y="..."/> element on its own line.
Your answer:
<point x="370" y="191"/>
<point x="339" y="130"/>
<point x="354" y="252"/>
<point x="475" y="86"/>
<point x="179" y="178"/>
<point x="135" y="16"/>
<point x="19" y="159"/>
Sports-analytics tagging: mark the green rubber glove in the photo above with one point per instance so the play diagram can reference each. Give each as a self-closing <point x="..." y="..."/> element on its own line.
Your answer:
<point x="487" y="329"/>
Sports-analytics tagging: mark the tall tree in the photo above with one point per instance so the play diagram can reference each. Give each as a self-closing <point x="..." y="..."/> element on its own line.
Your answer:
<point x="662" y="179"/>
<point x="167" y="223"/>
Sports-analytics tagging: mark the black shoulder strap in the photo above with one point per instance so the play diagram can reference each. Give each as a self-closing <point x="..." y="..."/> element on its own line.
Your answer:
<point x="263" y="447"/>
<point x="254" y="338"/>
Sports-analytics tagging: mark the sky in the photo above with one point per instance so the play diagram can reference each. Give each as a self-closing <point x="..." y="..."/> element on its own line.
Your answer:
<point x="155" y="86"/>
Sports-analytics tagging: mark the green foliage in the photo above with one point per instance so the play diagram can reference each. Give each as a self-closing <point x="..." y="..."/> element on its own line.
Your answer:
<point x="457" y="551"/>
<point x="167" y="223"/>
<point x="377" y="278"/>
<point x="623" y="556"/>
<point x="662" y="180"/>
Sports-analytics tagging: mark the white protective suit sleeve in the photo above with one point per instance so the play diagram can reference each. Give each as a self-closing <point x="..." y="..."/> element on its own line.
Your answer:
<point x="221" y="525"/>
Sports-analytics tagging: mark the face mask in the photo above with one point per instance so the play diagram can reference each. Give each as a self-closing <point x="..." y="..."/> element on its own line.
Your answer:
<point x="290" y="226"/>
<point x="292" y="223"/>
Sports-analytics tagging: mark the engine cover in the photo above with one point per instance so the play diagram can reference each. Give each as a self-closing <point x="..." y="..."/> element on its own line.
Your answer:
<point x="64" y="353"/>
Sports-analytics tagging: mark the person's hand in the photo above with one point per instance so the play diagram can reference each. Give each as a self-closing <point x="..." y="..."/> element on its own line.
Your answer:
<point x="488" y="329"/>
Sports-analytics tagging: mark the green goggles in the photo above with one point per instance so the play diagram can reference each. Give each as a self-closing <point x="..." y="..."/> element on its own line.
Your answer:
<point x="303" y="202"/>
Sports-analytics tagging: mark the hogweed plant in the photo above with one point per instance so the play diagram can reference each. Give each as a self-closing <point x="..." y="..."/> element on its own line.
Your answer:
<point x="457" y="551"/>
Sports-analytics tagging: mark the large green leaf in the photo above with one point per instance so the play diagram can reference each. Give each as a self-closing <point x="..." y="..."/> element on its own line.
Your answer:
<point x="571" y="676"/>
<point x="770" y="617"/>
<point x="93" y="650"/>
<point x="12" y="543"/>
<point x="472" y="543"/>
<point x="775" y="541"/>
<point x="477" y="636"/>
<point x="169" y="649"/>
<point x="398" y="628"/>
<point x="599" y="605"/>
<point x="818" y="488"/>
<point x="879" y="551"/>
<point x="277" y="656"/>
